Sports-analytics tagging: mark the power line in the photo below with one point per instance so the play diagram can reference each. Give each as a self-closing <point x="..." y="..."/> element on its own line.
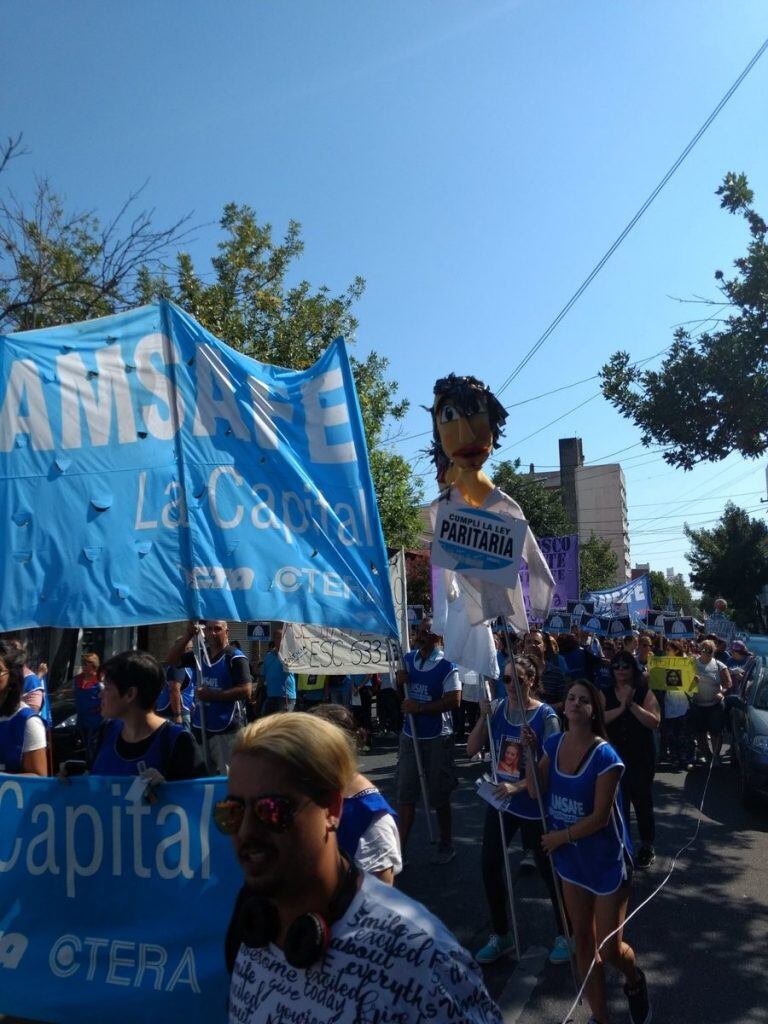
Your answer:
<point x="607" y="255"/>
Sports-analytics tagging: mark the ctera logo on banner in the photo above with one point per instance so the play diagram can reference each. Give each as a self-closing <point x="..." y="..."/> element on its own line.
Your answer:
<point x="148" y="472"/>
<point x="633" y="599"/>
<point x="113" y="909"/>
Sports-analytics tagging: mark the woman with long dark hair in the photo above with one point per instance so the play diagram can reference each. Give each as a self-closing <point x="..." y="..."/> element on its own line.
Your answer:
<point x="522" y="813"/>
<point x="22" y="730"/>
<point x="631" y="717"/>
<point x="580" y="772"/>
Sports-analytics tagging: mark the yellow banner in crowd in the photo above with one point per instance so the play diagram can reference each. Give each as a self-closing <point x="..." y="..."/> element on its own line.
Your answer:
<point x="672" y="674"/>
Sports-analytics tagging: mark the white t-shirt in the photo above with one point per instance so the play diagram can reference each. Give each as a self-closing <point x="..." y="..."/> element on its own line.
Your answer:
<point x="709" y="685"/>
<point x="34" y="731"/>
<point x="390" y="962"/>
<point x="675" y="704"/>
<point x="379" y="846"/>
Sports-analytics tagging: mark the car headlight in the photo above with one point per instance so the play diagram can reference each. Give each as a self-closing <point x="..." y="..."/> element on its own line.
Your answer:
<point x="760" y="743"/>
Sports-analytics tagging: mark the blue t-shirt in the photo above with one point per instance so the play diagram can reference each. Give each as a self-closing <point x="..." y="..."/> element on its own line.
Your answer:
<point x="510" y="759"/>
<point x="280" y="682"/>
<point x="32" y="683"/>
<point x="219" y="715"/>
<point x="597" y="862"/>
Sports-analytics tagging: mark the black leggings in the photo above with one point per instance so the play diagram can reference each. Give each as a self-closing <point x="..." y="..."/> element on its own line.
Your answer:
<point x="493" y="865"/>
<point x="637" y="792"/>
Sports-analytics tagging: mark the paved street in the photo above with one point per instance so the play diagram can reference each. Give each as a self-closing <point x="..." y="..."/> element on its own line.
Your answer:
<point x="702" y="940"/>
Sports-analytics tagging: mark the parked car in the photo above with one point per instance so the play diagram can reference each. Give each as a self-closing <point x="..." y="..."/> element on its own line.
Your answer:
<point x="749" y="725"/>
<point x="66" y="741"/>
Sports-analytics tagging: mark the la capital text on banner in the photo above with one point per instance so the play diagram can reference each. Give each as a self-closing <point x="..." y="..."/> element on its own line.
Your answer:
<point x="112" y="909"/>
<point x="148" y="473"/>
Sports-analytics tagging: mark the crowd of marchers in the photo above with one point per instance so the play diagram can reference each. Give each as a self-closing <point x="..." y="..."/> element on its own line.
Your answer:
<point x="570" y="737"/>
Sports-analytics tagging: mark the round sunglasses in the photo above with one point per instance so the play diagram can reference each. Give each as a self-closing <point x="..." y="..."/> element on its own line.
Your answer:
<point x="275" y="812"/>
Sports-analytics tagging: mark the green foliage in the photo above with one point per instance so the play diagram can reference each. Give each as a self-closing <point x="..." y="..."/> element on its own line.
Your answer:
<point x="662" y="589"/>
<point x="710" y="396"/>
<point x="543" y="508"/>
<point x="731" y="561"/>
<point x="58" y="267"/>
<point x="598" y="564"/>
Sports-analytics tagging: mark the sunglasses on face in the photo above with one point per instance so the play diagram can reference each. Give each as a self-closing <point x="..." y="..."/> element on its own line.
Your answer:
<point x="276" y="813"/>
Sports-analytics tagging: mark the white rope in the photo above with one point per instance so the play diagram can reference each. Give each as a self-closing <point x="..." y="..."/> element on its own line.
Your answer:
<point x="647" y="900"/>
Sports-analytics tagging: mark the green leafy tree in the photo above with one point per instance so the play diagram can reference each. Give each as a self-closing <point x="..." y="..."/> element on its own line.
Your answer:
<point x="598" y="564"/>
<point x="543" y="508"/>
<point x="251" y="304"/>
<point x="710" y="396"/>
<point x="663" y="589"/>
<point x="731" y="561"/>
<point x="59" y="267"/>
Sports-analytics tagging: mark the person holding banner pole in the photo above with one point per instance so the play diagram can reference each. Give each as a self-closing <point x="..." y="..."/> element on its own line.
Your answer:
<point x="223" y="682"/>
<point x="503" y="722"/>
<point x="432" y="690"/>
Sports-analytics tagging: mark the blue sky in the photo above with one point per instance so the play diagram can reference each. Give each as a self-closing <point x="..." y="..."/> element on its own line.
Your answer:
<point x="471" y="160"/>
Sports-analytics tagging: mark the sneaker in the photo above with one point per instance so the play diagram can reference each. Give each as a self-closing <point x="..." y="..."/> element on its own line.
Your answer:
<point x="561" y="951"/>
<point x="496" y="947"/>
<point x="646" y="855"/>
<point x="639" y="1004"/>
<point x="444" y="854"/>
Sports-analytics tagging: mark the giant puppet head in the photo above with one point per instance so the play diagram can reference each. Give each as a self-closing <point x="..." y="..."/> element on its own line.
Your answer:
<point x="467" y="421"/>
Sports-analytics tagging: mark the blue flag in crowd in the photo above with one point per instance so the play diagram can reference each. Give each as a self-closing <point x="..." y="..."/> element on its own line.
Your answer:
<point x="149" y="473"/>
<point x="633" y="599"/>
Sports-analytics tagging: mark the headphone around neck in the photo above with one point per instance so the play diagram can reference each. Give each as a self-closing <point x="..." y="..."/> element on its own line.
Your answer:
<point x="309" y="936"/>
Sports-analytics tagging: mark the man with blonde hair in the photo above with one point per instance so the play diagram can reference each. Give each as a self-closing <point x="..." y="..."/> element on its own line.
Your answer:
<point x="311" y="936"/>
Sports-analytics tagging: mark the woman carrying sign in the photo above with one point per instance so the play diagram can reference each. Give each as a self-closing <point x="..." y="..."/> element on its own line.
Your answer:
<point x="522" y="813"/>
<point x="580" y="772"/>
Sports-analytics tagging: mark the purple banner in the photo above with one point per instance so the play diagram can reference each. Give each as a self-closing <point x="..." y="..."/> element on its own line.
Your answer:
<point x="562" y="555"/>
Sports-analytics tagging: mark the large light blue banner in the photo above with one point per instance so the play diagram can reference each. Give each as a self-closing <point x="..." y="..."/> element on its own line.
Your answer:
<point x="149" y="473"/>
<point x="633" y="598"/>
<point x="112" y="910"/>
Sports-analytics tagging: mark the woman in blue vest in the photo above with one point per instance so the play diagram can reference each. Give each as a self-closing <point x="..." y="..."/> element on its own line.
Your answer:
<point x="522" y="813"/>
<point x="135" y="738"/>
<point x="368" y="828"/>
<point x="22" y="731"/>
<point x="588" y="840"/>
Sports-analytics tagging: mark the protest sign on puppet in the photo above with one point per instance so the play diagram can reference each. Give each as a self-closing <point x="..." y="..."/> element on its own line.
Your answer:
<point x="679" y="627"/>
<point x="149" y="472"/>
<point x="479" y="544"/>
<point x="112" y="909"/>
<point x="720" y="625"/>
<point x="674" y="674"/>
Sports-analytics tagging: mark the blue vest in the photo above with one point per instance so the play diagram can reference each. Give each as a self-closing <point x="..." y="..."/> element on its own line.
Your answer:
<point x="504" y="733"/>
<point x="596" y="862"/>
<point x="426" y="686"/>
<point x="12" y="739"/>
<point x="109" y="762"/>
<point x="88" y="706"/>
<point x="357" y="815"/>
<point x="187" y="691"/>
<point x="220" y="715"/>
